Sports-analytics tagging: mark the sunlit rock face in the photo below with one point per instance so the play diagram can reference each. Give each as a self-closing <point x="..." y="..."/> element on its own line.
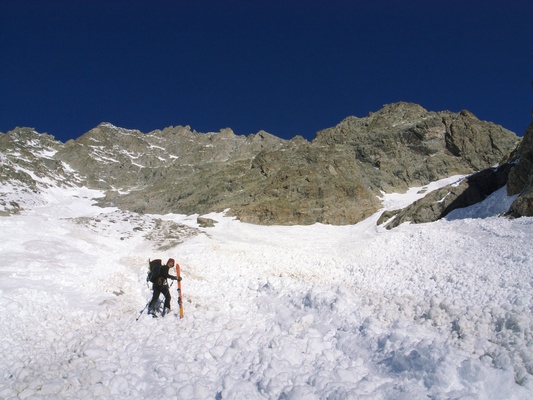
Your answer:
<point x="335" y="179"/>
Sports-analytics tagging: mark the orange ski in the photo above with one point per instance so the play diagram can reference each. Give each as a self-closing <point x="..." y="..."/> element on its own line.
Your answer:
<point x="180" y="301"/>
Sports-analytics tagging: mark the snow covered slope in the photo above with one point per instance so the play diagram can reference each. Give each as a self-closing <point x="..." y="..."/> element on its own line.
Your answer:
<point x="440" y="310"/>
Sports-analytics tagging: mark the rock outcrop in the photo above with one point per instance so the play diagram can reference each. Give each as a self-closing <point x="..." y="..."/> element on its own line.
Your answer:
<point x="516" y="173"/>
<point x="439" y="203"/>
<point x="404" y="145"/>
<point x="521" y="178"/>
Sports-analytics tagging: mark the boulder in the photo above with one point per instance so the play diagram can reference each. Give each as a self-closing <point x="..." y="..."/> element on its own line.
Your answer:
<point x="205" y="222"/>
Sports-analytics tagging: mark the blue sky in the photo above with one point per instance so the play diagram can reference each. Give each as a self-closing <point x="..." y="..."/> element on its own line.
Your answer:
<point x="286" y="67"/>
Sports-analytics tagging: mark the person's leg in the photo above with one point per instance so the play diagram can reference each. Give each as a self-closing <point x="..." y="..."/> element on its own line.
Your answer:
<point x="155" y="297"/>
<point x="166" y="293"/>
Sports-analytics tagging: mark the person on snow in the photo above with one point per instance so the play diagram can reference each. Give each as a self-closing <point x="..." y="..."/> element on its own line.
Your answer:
<point x="160" y="285"/>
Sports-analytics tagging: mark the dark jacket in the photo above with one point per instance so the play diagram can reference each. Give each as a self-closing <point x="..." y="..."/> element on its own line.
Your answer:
<point x="163" y="276"/>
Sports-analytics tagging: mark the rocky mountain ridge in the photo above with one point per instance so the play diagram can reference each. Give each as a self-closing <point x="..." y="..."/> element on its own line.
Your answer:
<point x="336" y="179"/>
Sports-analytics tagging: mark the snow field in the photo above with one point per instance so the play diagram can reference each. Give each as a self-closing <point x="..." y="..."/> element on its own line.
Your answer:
<point x="439" y="310"/>
<point x="425" y="288"/>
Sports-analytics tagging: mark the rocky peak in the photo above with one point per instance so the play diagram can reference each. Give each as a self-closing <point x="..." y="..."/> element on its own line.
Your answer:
<point x="29" y="165"/>
<point x="515" y="172"/>
<point x="403" y="145"/>
<point x="396" y="114"/>
<point x="26" y="138"/>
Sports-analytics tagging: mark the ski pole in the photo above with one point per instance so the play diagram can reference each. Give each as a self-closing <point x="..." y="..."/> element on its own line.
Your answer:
<point x="141" y="313"/>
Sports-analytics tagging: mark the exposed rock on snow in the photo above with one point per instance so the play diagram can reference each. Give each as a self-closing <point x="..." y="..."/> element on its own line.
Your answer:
<point x="206" y="222"/>
<point x="439" y="203"/>
<point x="164" y="234"/>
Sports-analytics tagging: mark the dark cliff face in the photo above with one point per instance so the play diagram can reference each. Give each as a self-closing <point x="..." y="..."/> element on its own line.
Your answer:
<point x="521" y="178"/>
<point x="335" y="179"/>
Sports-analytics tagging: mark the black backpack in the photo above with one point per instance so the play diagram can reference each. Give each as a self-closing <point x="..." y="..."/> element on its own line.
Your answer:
<point x="154" y="270"/>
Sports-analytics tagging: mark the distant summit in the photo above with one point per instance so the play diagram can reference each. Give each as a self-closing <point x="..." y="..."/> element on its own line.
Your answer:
<point x="335" y="179"/>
